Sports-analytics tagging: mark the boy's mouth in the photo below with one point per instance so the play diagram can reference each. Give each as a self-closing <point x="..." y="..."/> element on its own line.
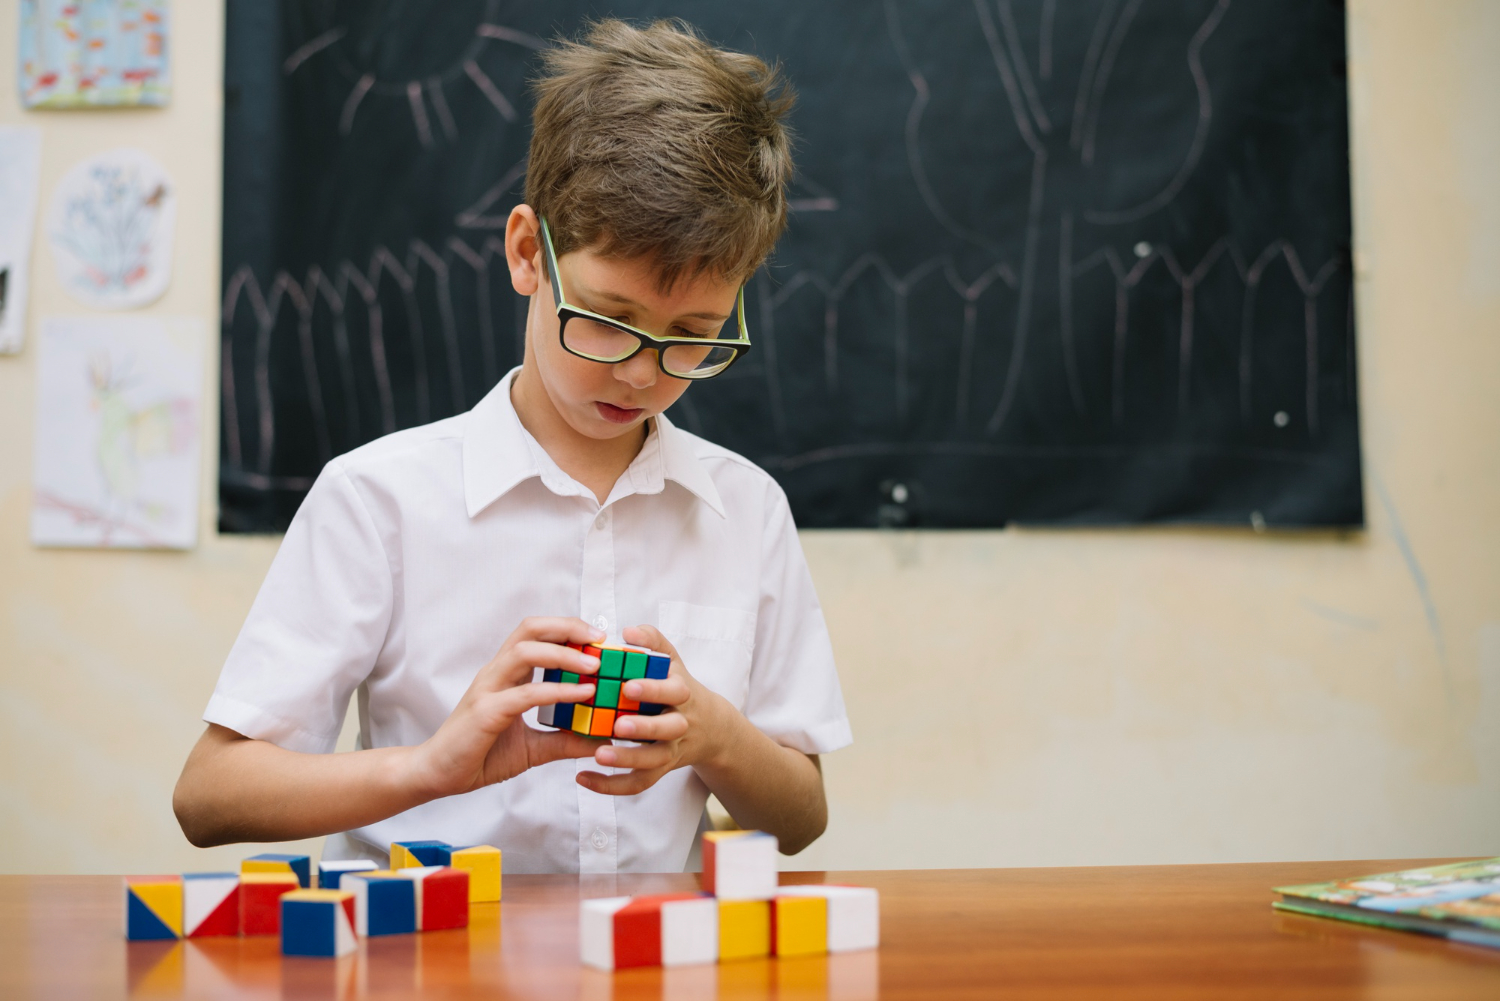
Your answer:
<point x="617" y="415"/>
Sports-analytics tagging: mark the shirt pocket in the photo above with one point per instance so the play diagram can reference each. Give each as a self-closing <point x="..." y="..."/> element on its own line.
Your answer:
<point x="716" y="644"/>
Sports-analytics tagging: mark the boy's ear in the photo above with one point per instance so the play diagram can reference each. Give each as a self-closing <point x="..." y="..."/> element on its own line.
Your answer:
<point x="523" y="250"/>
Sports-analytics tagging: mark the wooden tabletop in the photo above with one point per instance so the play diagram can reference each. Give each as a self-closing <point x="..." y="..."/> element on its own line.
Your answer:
<point x="1158" y="932"/>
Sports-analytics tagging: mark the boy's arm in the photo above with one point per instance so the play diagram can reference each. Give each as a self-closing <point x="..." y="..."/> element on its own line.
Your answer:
<point x="762" y="784"/>
<point x="234" y="788"/>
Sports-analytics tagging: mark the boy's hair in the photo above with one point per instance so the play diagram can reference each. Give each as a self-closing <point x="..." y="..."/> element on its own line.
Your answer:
<point x="649" y="142"/>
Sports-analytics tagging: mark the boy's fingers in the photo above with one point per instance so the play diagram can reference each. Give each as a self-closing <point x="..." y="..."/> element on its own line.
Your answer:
<point x="628" y="784"/>
<point x="637" y="758"/>
<point x="557" y="629"/>
<point x="650" y="636"/>
<point x="512" y="702"/>
<point x="554" y="745"/>
<point x="521" y="659"/>
<point x="667" y="692"/>
<point x="667" y="726"/>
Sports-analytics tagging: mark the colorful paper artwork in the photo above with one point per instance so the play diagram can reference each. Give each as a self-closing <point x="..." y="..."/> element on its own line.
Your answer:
<point x="119" y="411"/>
<point x="20" y="174"/>
<point x="110" y="227"/>
<point x="94" y="53"/>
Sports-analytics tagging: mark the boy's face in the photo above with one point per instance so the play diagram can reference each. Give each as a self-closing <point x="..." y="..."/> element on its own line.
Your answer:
<point x="605" y="401"/>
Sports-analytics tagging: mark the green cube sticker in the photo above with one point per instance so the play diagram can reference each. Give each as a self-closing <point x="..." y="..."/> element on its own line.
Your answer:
<point x="610" y="662"/>
<point x="568" y="678"/>
<point x="635" y="665"/>
<point x="608" y="696"/>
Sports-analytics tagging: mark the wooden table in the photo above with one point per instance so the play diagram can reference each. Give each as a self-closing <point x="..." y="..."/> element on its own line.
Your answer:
<point x="1158" y="932"/>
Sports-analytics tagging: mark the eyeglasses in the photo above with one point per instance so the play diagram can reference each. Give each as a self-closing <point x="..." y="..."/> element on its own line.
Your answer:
<point x="598" y="338"/>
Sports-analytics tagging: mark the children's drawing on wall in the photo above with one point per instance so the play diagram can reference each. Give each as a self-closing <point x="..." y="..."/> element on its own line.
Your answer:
<point x="117" y="431"/>
<point x="94" y="53"/>
<point x="110" y="227"/>
<point x="20" y="170"/>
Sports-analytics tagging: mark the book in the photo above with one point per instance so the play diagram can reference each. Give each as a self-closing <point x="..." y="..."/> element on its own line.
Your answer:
<point x="1460" y="901"/>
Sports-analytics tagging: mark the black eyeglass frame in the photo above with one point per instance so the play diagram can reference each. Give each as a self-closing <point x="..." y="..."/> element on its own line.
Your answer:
<point x="644" y="339"/>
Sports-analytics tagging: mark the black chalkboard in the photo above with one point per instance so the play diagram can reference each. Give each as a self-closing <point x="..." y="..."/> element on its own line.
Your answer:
<point x="1062" y="262"/>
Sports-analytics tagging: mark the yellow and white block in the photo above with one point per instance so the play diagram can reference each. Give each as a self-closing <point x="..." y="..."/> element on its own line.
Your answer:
<point x="484" y="865"/>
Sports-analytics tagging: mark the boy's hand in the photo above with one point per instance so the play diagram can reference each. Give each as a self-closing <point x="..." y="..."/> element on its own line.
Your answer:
<point x="683" y="737"/>
<point x="484" y="741"/>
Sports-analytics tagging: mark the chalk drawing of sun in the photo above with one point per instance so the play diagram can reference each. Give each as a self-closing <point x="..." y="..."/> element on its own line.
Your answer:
<point x="364" y="31"/>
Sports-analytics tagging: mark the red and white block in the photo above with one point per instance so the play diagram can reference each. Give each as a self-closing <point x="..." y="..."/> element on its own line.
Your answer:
<point x="210" y="904"/>
<point x="442" y="896"/>
<point x="672" y="929"/>
<point x="739" y="865"/>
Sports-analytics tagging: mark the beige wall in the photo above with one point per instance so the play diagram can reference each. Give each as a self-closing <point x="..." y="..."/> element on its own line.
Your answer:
<point x="1151" y="696"/>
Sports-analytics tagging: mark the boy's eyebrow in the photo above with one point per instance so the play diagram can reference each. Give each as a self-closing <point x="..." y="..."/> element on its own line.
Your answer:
<point x="617" y="298"/>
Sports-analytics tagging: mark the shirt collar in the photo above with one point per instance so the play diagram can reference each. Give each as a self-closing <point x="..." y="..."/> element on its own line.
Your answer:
<point x="499" y="454"/>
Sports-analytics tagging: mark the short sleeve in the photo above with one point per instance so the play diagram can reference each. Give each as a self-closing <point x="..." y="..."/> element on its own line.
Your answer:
<point x="316" y="628"/>
<point x="794" y="696"/>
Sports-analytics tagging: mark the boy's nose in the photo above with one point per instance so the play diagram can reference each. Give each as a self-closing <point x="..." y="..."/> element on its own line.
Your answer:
<point x="639" y="372"/>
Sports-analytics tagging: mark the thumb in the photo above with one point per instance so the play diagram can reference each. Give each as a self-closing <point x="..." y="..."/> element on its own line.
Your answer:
<point x="650" y="636"/>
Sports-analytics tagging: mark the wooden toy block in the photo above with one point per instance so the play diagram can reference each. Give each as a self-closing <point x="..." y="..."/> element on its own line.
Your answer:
<point x="260" y="901"/>
<point x="330" y="873"/>
<point x="210" y="904"/>
<point x="317" y="923"/>
<point x="673" y="929"/>
<point x="385" y="903"/>
<point x="597" y="717"/>
<point x="153" y="907"/>
<point x="744" y="929"/>
<point x="739" y="865"/>
<point x="483" y="863"/>
<point x="442" y="896"/>
<point x="412" y="854"/>
<point x="799" y="926"/>
<point x="853" y="914"/>
<point x="298" y="865"/>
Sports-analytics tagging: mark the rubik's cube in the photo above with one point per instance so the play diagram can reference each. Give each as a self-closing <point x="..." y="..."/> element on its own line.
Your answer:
<point x="617" y="665"/>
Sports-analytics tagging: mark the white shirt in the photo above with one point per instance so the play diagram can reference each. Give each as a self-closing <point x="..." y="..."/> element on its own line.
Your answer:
<point x="415" y="556"/>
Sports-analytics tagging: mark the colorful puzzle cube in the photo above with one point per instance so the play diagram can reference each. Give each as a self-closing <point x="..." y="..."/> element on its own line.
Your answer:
<point x="413" y="854"/>
<point x="853" y="914"/>
<point x="442" y="896"/>
<point x="260" y="901"/>
<point x="744" y="929"/>
<point x="617" y="665"/>
<point x="317" y="923"/>
<point x="799" y="926"/>
<point x="210" y="904"/>
<point x="385" y="902"/>
<point x="483" y="864"/>
<point x="298" y="865"/>
<point x="739" y="865"/>
<point x="153" y="907"/>
<point x="672" y="929"/>
<point x="330" y="873"/>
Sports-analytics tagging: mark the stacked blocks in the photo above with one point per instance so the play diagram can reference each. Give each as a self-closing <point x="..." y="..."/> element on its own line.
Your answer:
<point x="413" y="854"/>
<point x="210" y="904"/>
<point x="385" y="903"/>
<point x="153" y="907"/>
<point x="739" y="865"/>
<point x="331" y="874"/>
<point x="260" y="901"/>
<point x="442" y="896"/>
<point x="483" y="864"/>
<point x="666" y="930"/>
<point x="317" y="923"/>
<point x="617" y="665"/>
<point x="747" y="916"/>
<point x="298" y="865"/>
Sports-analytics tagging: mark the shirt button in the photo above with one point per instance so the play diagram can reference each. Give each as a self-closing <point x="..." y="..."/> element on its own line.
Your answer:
<point x="601" y="623"/>
<point x="602" y="522"/>
<point x="600" y="839"/>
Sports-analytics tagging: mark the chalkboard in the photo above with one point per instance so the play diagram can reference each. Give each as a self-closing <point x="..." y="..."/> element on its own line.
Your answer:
<point x="1080" y="262"/>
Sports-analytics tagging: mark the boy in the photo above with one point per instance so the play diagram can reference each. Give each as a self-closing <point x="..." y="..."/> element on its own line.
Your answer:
<point x="655" y="188"/>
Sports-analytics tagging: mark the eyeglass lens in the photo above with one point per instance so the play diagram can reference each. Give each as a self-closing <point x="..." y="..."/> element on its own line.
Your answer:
<point x="602" y="342"/>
